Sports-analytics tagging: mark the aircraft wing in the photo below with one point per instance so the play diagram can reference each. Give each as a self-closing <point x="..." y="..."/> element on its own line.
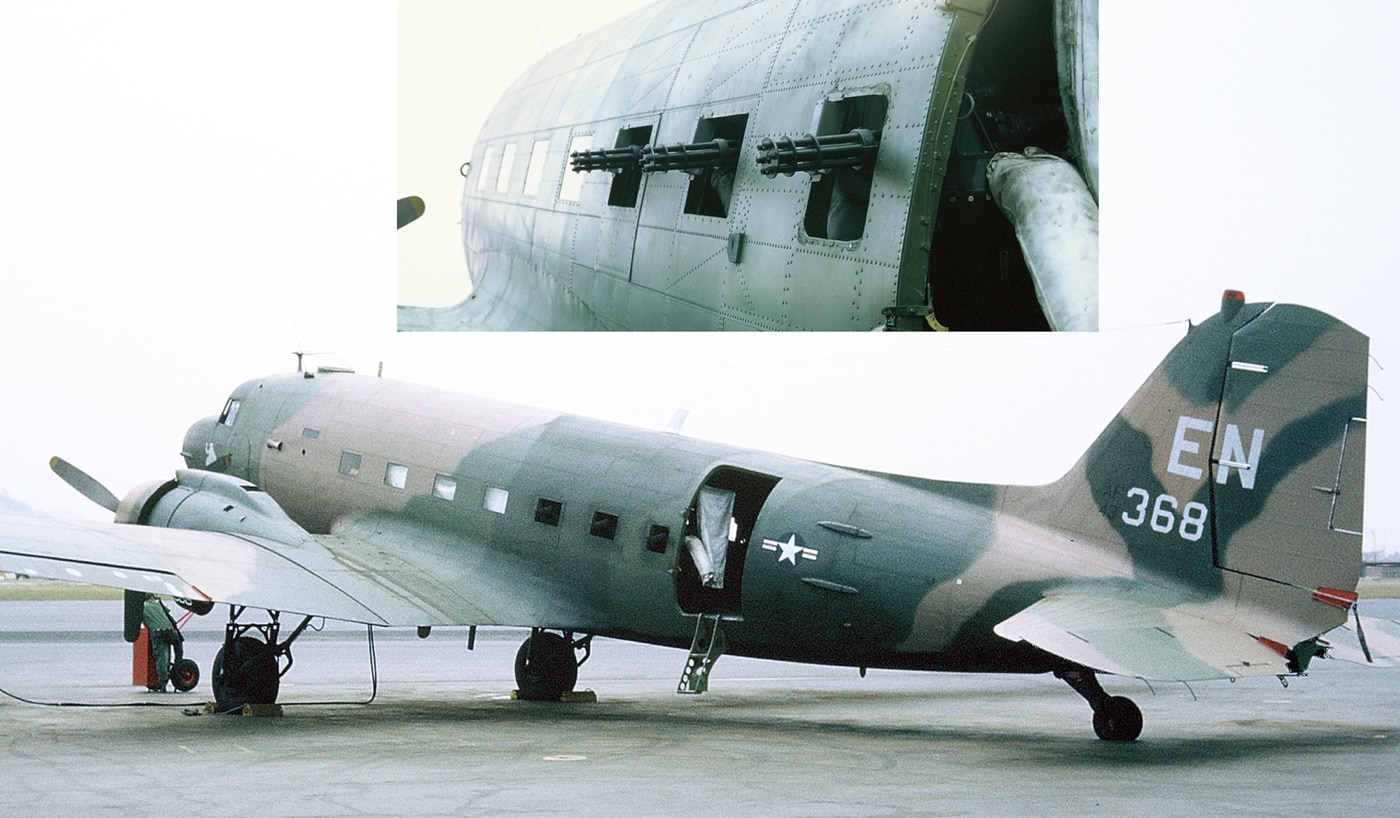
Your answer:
<point x="1136" y="637"/>
<point x="339" y="577"/>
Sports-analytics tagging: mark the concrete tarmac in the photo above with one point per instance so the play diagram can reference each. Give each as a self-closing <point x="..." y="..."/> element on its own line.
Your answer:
<point x="769" y="739"/>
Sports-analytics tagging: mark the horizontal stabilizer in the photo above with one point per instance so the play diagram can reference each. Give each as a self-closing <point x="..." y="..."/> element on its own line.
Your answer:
<point x="1381" y="647"/>
<point x="1127" y="636"/>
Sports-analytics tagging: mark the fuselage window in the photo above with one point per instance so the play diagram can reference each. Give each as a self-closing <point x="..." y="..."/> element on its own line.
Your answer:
<point x="495" y="500"/>
<point x="230" y="413"/>
<point x="839" y="200"/>
<point x="571" y="187"/>
<point x="604" y="525"/>
<point x="627" y="185"/>
<point x="548" y="511"/>
<point x="486" y="160"/>
<point x="396" y="475"/>
<point x="350" y="463"/>
<point x="445" y="487"/>
<point x="311" y="433"/>
<point x="711" y="188"/>
<point x="507" y="165"/>
<point x="534" y="173"/>
<point x="657" y="538"/>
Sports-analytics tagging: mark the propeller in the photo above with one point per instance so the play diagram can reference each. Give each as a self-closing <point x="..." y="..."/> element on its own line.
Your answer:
<point x="84" y="483"/>
<point x="410" y="208"/>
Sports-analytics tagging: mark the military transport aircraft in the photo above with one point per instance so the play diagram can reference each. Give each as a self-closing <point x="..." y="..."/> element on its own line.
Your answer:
<point x="776" y="164"/>
<point x="1211" y="531"/>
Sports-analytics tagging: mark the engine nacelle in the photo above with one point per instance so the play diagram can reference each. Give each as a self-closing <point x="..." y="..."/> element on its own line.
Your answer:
<point x="208" y="501"/>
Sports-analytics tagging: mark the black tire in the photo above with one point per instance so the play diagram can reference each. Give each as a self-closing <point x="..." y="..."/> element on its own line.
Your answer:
<point x="545" y="668"/>
<point x="184" y="675"/>
<point x="244" y="673"/>
<point x="1119" y="719"/>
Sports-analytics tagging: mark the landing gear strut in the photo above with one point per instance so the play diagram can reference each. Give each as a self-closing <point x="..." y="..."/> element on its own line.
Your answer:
<point x="247" y="669"/>
<point x="1116" y="718"/>
<point x="545" y="667"/>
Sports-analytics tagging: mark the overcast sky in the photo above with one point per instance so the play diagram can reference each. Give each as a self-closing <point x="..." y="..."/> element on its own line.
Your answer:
<point x="192" y="193"/>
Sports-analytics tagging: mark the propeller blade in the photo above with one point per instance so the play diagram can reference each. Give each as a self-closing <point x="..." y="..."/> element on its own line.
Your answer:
<point x="83" y="482"/>
<point x="410" y="208"/>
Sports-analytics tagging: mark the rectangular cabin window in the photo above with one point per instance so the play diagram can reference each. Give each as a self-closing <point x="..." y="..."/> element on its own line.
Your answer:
<point x="445" y="487"/>
<point x="396" y="475"/>
<point x="507" y="165"/>
<point x="230" y="413"/>
<point x="495" y="500"/>
<point x="350" y="463"/>
<point x="486" y="160"/>
<point x="627" y="185"/>
<point x="571" y="186"/>
<point x="838" y="201"/>
<point x="534" y="172"/>
<point x="604" y="525"/>
<point x="657" y="538"/>
<point x="711" y="189"/>
<point x="311" y="433"/>
<point x="548" y="511"/>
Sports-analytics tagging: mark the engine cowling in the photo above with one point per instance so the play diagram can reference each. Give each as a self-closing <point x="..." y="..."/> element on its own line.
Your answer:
<point x="208" y="501"/>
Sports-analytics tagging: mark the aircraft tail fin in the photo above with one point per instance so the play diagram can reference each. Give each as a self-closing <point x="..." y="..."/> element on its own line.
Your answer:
<point x="1240" y="460"/>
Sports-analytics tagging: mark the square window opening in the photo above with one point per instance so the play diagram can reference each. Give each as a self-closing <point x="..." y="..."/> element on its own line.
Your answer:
<point x="495" y="500"/>
<point x="350" y="463"/>
<point x="571" y="186"/>
<point x="445" y="487"/>
<point x="486" y="160"/>
<point x="507" y="165"/>
<point x="711" y="189"/>
<point x="548" y="511"/>
<point x="657" y="538"/>
<point x="838" y="202"/>
<point x="627" y="185"/>
<point x="604" y="525"/>
<point x="396" y="475"/>
<point x="534" y="172"/>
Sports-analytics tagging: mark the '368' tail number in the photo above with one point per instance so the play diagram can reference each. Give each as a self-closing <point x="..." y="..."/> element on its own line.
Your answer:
<point x="1163" y="518"/>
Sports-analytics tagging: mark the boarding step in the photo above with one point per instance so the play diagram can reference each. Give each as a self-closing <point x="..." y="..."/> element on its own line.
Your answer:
<point x="705" y="650"/>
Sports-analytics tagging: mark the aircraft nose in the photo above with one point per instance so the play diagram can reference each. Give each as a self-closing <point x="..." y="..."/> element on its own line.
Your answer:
<point x="198" y="449"/>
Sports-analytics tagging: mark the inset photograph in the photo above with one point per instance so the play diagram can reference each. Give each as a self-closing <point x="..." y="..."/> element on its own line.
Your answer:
<point x="775" y="165"/>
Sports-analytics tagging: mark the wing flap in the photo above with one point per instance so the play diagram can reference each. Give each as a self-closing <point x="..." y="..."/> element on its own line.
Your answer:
<point x="1129" y="637"/>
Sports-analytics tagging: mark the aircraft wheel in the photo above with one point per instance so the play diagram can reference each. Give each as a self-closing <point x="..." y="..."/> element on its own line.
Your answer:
<point x="545" y="668"/>
<point x="1119" y="719"/>
<point x="245" y="672"/>
<point x="184" y="675"/>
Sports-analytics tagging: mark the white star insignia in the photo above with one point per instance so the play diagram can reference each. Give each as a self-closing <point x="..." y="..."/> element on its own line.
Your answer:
<point x="790" y="550"/>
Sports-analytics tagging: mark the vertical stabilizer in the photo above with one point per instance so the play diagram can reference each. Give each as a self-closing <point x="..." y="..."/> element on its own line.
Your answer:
<point x="1243" y="452"/>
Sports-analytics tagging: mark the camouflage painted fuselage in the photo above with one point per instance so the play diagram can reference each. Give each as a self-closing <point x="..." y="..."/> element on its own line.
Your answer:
<point x="1225" y="498"/>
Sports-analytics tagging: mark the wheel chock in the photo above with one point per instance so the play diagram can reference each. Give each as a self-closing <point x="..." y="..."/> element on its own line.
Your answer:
<point x="575" y="696"/>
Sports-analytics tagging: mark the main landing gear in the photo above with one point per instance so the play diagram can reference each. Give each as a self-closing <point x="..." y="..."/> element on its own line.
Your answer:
<point x="1116" y="718"/>
<point x="545" y="667"/>
<point x="248" y="668"/>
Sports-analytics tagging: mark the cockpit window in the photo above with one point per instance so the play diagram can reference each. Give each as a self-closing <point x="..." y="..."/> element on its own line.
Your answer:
<point x="230" y="413"/>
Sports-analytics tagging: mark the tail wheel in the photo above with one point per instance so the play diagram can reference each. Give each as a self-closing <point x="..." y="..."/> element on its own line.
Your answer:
<point x="245" y="672"/>
<point x="1118" y="719"/>
<point x="184" y="675"/>
<point x="545" y="668"/>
